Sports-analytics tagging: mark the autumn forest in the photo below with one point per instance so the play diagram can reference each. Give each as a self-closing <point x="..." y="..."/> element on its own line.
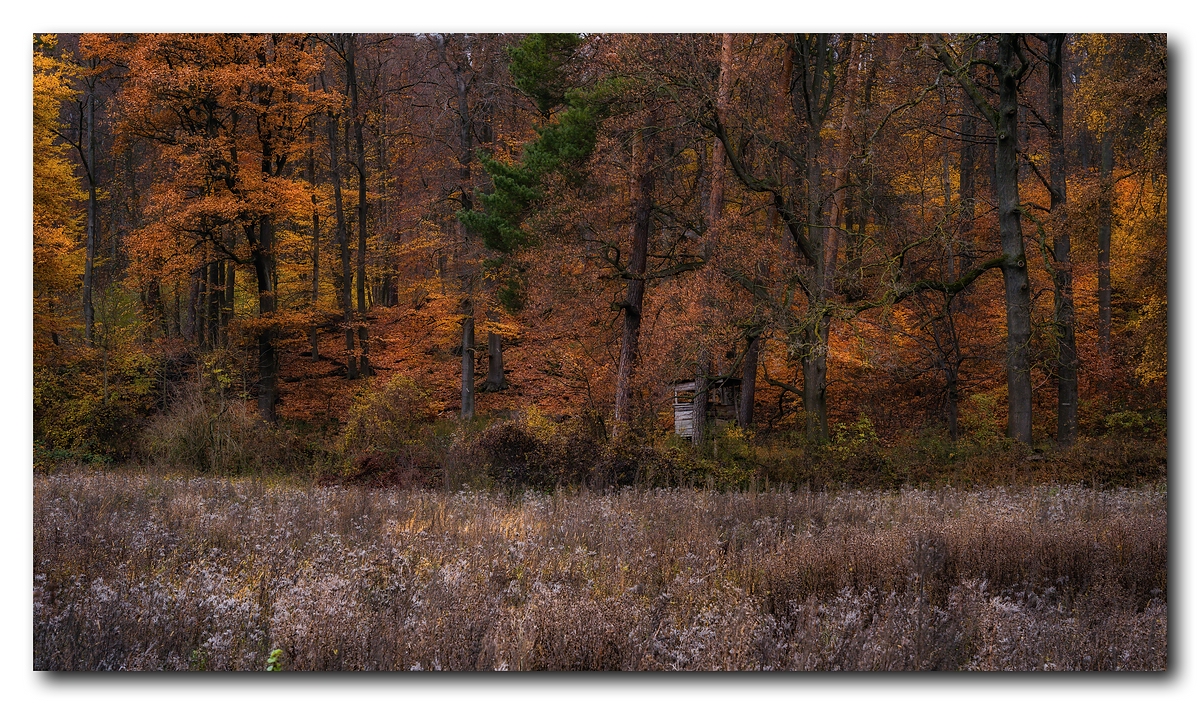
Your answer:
<point x="596" y="271"/>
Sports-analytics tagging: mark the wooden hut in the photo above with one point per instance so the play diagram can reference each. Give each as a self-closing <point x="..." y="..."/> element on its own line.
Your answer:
<point x="724" y="398"/>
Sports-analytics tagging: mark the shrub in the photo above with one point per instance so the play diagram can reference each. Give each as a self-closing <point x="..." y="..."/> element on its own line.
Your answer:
<point x="388" y="416"/>
<point x="532" y="452"/>
<point x="387" y="433"/>
<point x="87" y="412"/>
<point x="734" y="457"/>
<point x="512" y="457"/>
<point x="206" y="432"/>
<point x="980" y="419"/>
<point x="1136" y="423"/>
<point x="857" y="454"/>
<point x="638" y="460"/>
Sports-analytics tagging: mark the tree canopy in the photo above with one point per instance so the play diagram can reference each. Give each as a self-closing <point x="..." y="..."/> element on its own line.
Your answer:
<point x="900" y="230"/>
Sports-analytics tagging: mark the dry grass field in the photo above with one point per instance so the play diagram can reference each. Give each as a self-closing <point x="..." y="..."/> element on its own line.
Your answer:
<point x="144" y="573"/>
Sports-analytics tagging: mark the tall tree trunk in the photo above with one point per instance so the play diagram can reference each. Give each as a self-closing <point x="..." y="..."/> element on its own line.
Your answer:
<point x="263" y="258"/>
<point x="1012" y="244"/>
<point x="364" y="364"/>
<point x="966" y="187"/>
<point x="468" y="360"/>
<point x="465" y="155"/>
<point x="178" y="314"/>
<point x="230" y="291"/>
<point x="189" y="324"/>
<point x="1064" y="302"/>
<point x="262" y="250"/>
<point x="948" y="355"/>
<point x="155" y="309"/>
<point x="716" y="199"/>
<point x="716" y="209"/>
<point x="495" y="378"/>
<point x="465" y="139"/>
<point x="315" y="352"/>
<point x="643" y="160"/>
<point x="216" y="292"/>
<point x="841" y="185"/>
<point x="749" y="378"/>
<point x="815" y="335"/>
<point x="390" y="293"/>
<point x="951" y="371"/>
<point x="89" y="262"/>
<point x="219" y="339"/>
<point x="700" y="400"/>
<point x="202" y="298"/>
<point x="811" y="99"/>
<point x="1009" y="70"/>
<point x="786" y="76"/>
<point x="344" y="246"/>
<point x="227" y="303"/>
<point x="947" y="193"/>
<point x="1104" y="245"/>
<point x="814" y="365"/>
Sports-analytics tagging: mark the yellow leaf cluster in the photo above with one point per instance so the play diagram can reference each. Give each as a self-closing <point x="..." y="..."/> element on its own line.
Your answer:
<point x="57" y="222"/>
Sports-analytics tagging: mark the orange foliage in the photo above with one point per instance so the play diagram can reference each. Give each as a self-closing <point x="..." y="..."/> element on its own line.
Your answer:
<point x="206" y="110"/>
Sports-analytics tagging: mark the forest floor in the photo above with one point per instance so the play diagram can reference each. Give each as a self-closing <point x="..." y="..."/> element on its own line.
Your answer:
<point x="419" y="343"/>
<point x="141" y="571"/>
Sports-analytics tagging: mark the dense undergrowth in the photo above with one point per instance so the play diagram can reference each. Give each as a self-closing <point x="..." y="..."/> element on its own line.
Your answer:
<point x="137" y="571"/>
<point x="392" y="437"/>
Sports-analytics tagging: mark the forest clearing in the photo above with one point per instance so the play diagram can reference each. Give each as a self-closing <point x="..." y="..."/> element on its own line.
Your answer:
<point x="446" y="351"/>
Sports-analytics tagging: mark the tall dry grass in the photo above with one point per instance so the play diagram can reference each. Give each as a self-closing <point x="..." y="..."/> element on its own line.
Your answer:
<point x="139" y="572"/>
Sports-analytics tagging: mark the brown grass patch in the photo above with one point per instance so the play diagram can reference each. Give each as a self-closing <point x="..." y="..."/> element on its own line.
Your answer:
<point x="141" y="572"/>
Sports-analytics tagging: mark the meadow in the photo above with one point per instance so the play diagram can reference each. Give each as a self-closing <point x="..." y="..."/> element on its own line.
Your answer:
<point x="141" y="571"/>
